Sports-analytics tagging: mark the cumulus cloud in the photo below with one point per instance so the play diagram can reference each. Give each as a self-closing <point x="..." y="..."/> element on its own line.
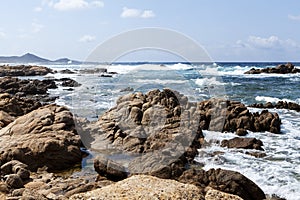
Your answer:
<point x="136" y="13"/>
<point x="272" y="42"/>
<point x="66" y="5"/>
<point x="294" y="17"/>
<point x="36" y="27"/>
<point x="87" y="38"/>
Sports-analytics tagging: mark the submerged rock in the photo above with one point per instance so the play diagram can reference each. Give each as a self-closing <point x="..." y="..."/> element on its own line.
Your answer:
<point x="288" y="68"/>
<point x="43" y="137"/>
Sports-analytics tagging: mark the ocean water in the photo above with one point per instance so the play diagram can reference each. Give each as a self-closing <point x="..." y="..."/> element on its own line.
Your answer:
<point x="277" y="173"/>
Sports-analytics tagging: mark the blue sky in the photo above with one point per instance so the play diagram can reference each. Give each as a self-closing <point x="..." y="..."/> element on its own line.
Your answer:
<point x="231" y="30"/>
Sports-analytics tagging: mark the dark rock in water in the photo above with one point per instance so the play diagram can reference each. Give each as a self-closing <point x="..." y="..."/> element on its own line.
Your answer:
<point x="93" y="71"/>
<point x="244" y="143"/>
<point x="43" y="137"/>
<point x="14" y="85"/>
<point x="278" y="105"/>
<point x="128" y="89"/>
<point x="160" y="128"/>
<point x="288" y="68"/>
<point x="234" y="116"/>
<point x="67" y="82"/>
<point x="224" y="180"/>
<point x="23" y="70"/>
<point x="67" y="71"/>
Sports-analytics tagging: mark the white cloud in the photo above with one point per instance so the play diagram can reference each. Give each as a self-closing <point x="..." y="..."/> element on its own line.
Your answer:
<point x="66" y="5"/>
<point x="294" y="17"/>
<point x="136" y="13"/>
<point x="2" y="35"/>
<point x="87" y="38"/>
<point x="148" y="14"/>
<point x="272" y="42"/>
<point x="38" y="9"/>
<point x="36" y="27"/>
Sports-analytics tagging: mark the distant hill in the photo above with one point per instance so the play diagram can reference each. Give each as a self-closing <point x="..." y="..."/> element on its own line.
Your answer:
<point x="31" y="58"/>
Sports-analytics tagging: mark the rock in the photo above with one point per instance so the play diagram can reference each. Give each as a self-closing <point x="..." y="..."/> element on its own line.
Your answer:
<point x="224" y="180"/>
<point x="22" y="70"/>
<point x="288" y="68"/>
<point x="12" y="107"/>
<point x="14" y="181"/>
<point x="15" y="167"/>
<point x="108" y="168"/>
<point x="244" y="143"/>
<point x="212" y="194"/>
<point x="278" y="105"/>
<point x="13" y="85"/>
<point x="67" y="71"/>
<point x="93" y="71"/>
<point x="144" y="187"/>
<point x="43" y="137"/>
<point x="3" y="188"/>
<point x="159" y="129"/>
<point x="235" y="117"/>
<point x="67" y="82"/>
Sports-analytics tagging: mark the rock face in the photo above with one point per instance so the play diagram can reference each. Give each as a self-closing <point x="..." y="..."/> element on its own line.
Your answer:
<point x="159" y="129"/>
<point x="212" y="194"/>
<point x="224" y="180"/>
<point x="143" y="187"/>
<point x="43" y="137"/>
<point x="244" y="143"/>
<point x="288" y="68"/>
<point x="22" y="70"/>
<point x="278" y="105"/>
<point x="234" y="116"/>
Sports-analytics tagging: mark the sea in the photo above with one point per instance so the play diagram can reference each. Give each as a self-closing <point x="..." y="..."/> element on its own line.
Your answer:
<point x="276" y="173"/>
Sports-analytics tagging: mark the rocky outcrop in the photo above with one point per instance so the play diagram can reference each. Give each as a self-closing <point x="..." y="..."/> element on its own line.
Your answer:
<point x="223" y="180"/>
<point x="278" y="105"/>
<point x="43" y="137"/>
<point x="160" y="130"/>
<point x="144" y="187"/>
<point x="288" y="68"/>
<point x="243" y="143"/>
<point x="212" y="194"/>
<point x="13" y="85"/>
<point x="67" y="82"/>
<point x="232" y="116"/>
<point x="24" y="70"/>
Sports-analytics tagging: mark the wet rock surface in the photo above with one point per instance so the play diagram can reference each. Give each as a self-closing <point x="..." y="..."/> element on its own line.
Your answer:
<point x="244" y="143"/>
<point x="288" y="68"/>
<point x="278" y="105"/>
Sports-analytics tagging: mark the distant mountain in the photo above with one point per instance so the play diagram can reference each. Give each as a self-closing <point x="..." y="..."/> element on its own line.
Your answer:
<point x="31" y="58"/>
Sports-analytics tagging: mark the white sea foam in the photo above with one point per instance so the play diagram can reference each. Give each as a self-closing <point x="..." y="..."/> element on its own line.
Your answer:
<point x="159" y="81"/>
<point x="180" y="66"/>
<point x="272" y="99"/>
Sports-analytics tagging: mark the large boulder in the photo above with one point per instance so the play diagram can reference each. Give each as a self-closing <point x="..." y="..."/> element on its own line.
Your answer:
<point x="224" y="180"/>
<point x="143" y="187"/>
<point x="43" y="137"/>
<point x="233" y="116"/>
<point x="159" y="132"/>
<point x="288" y="68"/>
<point x="243" y="143"/>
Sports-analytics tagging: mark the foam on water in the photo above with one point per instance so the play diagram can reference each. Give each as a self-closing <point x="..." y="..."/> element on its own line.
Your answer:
<point x="271" y="99"/>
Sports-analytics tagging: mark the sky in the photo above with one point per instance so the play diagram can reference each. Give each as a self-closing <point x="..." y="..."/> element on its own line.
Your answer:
<point x="231" y="30"/>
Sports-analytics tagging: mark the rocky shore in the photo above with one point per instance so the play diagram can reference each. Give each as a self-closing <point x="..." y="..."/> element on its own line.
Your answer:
<point x="42" y="145"/>
<point x="288" y="68"/>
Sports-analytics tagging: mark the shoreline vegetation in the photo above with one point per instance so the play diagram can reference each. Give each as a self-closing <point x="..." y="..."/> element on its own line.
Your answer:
<point x="42" y="151"/>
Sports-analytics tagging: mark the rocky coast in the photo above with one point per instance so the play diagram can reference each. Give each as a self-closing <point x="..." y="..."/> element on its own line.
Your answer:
<point x="43" y="145"/>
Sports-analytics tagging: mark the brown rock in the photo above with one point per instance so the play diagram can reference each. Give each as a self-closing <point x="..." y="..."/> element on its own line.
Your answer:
<point x="22" y="70"/>
<point x="14" y="181"/>
<point x="43" y="137"/>
<point x="244" y="143"/>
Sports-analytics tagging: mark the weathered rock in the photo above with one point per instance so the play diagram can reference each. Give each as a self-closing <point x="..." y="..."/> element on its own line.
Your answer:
<point x="67" y="71"/>
<point x="288" y="68"/>
<point x="224" y="180"/>
<point x="22" y="70"/>
<point x="212" y="194"/>
<point x="244" y="143"/>
<point x="14" y="181"/>
<point x="231" y="116"/>
<point x="160" y="129"/>
<point x="67" y="82"/>
<point x="12" y="107"/>
<point x="144" y="187"/>
<point x="43" y="137"/>
<point x="278" y="105"/>
<point x="13" y="85"/>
